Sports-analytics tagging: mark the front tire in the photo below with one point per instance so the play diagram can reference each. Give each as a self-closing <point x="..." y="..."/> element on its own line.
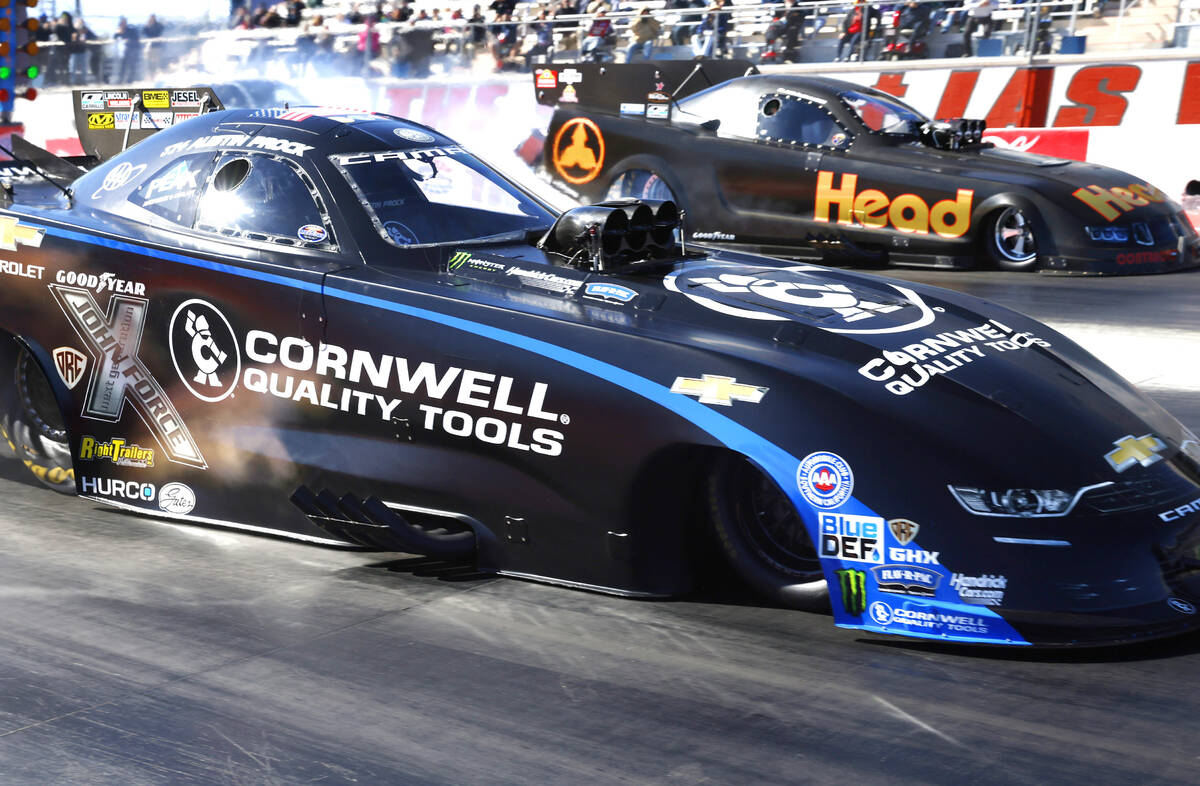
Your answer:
<point x="640" y="184"/>
<point x="31" y="423"/>
<point x="763" y="536"/>
<point x="1010" y="240"/>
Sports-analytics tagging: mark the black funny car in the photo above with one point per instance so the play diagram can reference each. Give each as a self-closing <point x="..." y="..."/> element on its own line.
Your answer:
<point x="800" y="165"/>
<point x="342" y="327"/>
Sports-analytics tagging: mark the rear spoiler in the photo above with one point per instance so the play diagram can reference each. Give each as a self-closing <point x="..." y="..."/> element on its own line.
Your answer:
<point x="632" y="88"/>
<point x="110" y="121"/>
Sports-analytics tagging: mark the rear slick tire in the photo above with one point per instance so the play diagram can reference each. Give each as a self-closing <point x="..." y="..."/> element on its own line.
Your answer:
<point x="763" y="536"/>
<point x="30" y="421"/>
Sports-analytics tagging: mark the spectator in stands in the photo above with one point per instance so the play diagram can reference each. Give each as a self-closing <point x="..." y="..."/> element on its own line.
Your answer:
<point x="596" y="6"/>
<point x="269" y="17"/>
<point x="685" y="28"/>
<point x="644" y="31"/>
<point x="151" y="31"/>
<point x="295" y="13"/>
<point x="543" y="30"/>
<point x="504" y="40"/>
<point x="979" y="15"/>
<point x="367" y="45"/>
<point x="914" y="16"/>
<point x="77" y="51"/>
<point x="129" y="51"/>
<point x="354" y="16"/>
<point x="600" y="38"/>
<point x="503" y="8"/>
<point x="477" y="35"/>
<point x="856" y="27"/>
<point x="567" y="31"/>
<point x="710" y="36"/>
<point x="60" y="31"/>
<point x="240" y="20"/>
<point x="783" y="35"/>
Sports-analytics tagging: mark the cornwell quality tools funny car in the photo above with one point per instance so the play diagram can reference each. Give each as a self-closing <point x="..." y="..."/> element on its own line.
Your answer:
<point x="344" y="328"/>
<point x="816" y="168"/>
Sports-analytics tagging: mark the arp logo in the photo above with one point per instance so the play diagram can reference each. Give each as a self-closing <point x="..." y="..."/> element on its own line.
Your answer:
<point x="578" y="151"/>
<point x="949" y="218"/>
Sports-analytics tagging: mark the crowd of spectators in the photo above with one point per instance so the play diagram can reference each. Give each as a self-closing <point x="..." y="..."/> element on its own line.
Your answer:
<point x="75" y="56"/>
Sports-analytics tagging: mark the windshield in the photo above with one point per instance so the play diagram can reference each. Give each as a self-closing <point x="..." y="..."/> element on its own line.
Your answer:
<point x="884" y="115"/>
<point x="438" y="196"/>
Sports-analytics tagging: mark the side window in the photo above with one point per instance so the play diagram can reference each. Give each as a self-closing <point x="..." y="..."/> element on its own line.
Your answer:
<point x="171" y="191"/>
<point x="733" y="105"/>
<point x="264" y="198"/>
<point x="786" y="119"/>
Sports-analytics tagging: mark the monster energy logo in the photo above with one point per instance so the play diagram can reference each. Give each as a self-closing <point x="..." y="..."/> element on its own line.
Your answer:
<point x="118" y="375"/>
<point x="459" y="259"/>
<point x="853" y="584"/>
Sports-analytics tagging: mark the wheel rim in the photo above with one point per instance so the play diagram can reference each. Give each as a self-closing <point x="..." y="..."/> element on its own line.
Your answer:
<point x="640" y="184"/>
<point x="1013" y="236"/>
<point x="769" y="521"/>
<point x="38" y="399"/>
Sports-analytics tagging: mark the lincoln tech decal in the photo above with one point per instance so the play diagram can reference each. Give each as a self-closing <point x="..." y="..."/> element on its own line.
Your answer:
<point x="118" y="375"/>
<point x="794" y="293"/>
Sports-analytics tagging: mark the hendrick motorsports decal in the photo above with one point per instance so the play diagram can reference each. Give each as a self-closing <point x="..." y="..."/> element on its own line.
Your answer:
<point x="118" y="375"/>
<point x="803" y="294"/>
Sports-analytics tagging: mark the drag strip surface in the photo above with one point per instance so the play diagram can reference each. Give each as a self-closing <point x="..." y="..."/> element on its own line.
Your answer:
<point x="135" y="652"/>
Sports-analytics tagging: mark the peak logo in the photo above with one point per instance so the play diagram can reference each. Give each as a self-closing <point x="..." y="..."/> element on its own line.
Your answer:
<point x="803" y="294"/>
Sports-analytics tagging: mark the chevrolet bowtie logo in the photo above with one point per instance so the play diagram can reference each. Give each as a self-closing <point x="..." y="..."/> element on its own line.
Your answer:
<point x="1129" y="451"/>
<point x="13" y="231"/>
<point x="718" y="390"/>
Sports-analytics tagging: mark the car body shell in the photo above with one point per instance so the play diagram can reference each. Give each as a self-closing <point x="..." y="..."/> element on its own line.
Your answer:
<point x="566" y="428"/>
<point x="767" y="185"/>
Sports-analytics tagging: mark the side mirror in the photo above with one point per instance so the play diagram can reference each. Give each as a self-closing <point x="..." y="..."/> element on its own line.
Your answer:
<point x="711" y="126"/>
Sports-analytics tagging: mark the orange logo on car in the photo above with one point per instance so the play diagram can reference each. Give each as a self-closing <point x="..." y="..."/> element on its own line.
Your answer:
<point x="578" y="151"/>
<point x="1112" y="202"/>
<point x="949" y="218"/>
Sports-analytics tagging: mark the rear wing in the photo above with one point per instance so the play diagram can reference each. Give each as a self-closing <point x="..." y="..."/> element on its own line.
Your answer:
<point x="110" y="121"/>
<point x="644" y="88"/>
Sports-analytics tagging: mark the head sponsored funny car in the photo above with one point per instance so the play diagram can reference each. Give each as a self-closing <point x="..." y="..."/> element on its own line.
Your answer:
<point x="344" y="328"/>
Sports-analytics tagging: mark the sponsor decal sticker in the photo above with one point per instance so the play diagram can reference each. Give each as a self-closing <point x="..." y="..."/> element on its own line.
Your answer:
<point x="545" y="78"/>
<point x="118" y="451"/>
<point x="156" y="99"/>
<point x="176" y="498"/>
<point x="633" y="109"/>
<point x="105" y="282"/>
<point x="906" y="580"/>
<point x="826" y="481"/>
<point x="719" y="390"/>
<point x="922" y="618"/>
<point x="123" y="490"/>
<point x="20" y="269"/>
<point x="570" y="76"/>
<point x="985" y="590"/>
<point x="569" y="95"/>
<point x="658" y="97"/>
<point x="604" y="291"/>
<point x="658" y="111"/>
<point x="805" y="294"/>
<point x="88" y="101"/>
<point x="871" y="208"/>
<point x="904" y="530"/>
<point x="156" y="120"/>
<point x="185" y="98"/>
<point x="101" y="120"/>
<point x="915" y="556"/>
<point x="1132" y="450"/>
<point x="713" y="236"/>
<point x="904" y="370"/>
<point x="413" y="135"/>
<point x="311" y="233"/>
<point x="395" y="155"/>
<point x="181" y="116"/>
<point x="70" y="364"/>
<point x="1182" y="606"/>
<point x="14" y="233"/>
<point x="173" y="183"/>
<point x="851" y="538"/>
<point x="1111" y="203"/>
<point x="1174" y="514"/>
<point x="204" y="350"/>
<point x="118" y="176"/>
<point x="118" y="375"/>
<point x="853" y="586"/>
<point x="578" y="151"/>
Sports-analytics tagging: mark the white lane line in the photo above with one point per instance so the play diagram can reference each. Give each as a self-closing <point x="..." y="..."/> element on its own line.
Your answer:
<point x="920" y="724"/>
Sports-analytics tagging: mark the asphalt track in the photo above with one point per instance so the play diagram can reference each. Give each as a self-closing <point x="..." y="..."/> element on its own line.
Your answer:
<point x="134" y="651"/>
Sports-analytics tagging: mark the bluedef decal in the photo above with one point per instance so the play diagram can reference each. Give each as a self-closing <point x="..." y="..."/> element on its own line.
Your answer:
<point x="851" y="538"/>
<point x="118" y="375"/>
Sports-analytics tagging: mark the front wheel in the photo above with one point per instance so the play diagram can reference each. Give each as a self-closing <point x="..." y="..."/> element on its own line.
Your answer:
<point x="30" y="421"/>
<point x="640" y="184"/>
<point x="1010" y="241"/>
<point x="763" y="536"/>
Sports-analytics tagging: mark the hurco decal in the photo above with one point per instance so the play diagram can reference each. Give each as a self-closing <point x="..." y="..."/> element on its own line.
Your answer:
<point x="904" y="370"/>
<point x="1129" y="450"/>
<point x="118" y="489"/>
<point x="118" y="375"/>
<point x="118" y="452"/>
<point x="949" y="218"/>
<point x="1112" y="202"/>
<point x="853" y="586"/>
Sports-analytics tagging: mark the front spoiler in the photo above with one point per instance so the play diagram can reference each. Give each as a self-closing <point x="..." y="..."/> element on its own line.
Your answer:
<point x="1126" y="263"/>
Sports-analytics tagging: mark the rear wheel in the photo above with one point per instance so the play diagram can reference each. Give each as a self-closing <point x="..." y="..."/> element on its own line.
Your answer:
<point x="640" y="184"/>
<point x="763" y="536"/>
<point x="1010" y="240"/>
<point x="31" y="423"/>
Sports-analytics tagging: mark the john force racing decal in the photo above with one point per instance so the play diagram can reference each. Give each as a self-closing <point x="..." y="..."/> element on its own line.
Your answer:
<point x="796" y="294"/>
<point x="118" y="375"/>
